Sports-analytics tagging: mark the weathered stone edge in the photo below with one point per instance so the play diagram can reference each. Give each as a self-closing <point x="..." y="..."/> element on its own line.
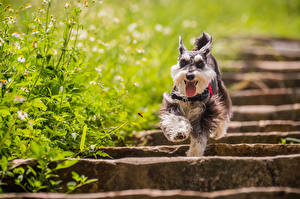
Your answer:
<point x="218" y="149"/>
<point x="280" y="192"/>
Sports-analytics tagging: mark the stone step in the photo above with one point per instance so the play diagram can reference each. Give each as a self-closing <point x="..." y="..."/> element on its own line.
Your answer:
<point x="264" y="126"/>
<point x="156" y="138"/>
<point x="186" y="173"/>
<point x="260" y="48"/>
<point x="276" y="96"/>
<point x="248" y="192"/>
<point x="261" y="66"/>
<point x="271" y="53"/>
<point x="261" y="80"/>
<point x="221" y="149"/>
<point x="266" y="112"/>
<point x="257" y="137"/>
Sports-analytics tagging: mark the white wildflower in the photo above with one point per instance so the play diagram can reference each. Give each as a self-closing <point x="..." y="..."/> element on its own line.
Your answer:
<point x="34" y="44"/>
<point x="118" y="78"/>
<point x="1" y="41"/>
<point x="34" y="31"/>
<point x="42" y="10"/>
<point x="101" y="50"/>
<point x="10" y="20"/>
<point x="189" y="24"/>
<point x="92" y="38"/>
<point x="15" y="34"/>
<point x="25" y="89"/>
<point x="122" y="84"/>
<point x="131" y="27"/>
<point x="18" y="46"/>
<point x="21" y="59"/>
<point x="93" y="83"/>
<point x="22" y="115"/>
<point x="95" y="49"/>
<point x="116" y="20"/>
<point x="136" y="84"/>
<point x="140" y="50"/>
<point x="93" y="146"/>
<point x="99" y="69"/>
<point x="74" y="135"/>
<point x="30" y="122"/>
<point x="92" y="27"/>
<point x="167" y="31"/>
<point x="28" y="5"/>
<point x="159" y="27"/>
<point x="67" y="5"/>
<point x="102" y="13"/>
<point x="82" y="34"/>
<point x="54" y="52"/>
<point x="19" y="98"/>
<point x="46" y="2"/>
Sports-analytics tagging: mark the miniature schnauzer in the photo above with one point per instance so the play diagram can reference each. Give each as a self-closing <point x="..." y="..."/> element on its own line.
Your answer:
<point x="199" y="106"/>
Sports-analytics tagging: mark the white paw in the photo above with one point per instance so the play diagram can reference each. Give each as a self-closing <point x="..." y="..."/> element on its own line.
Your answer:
<point x="175" y="128"/>
<point x="180" y="137"/>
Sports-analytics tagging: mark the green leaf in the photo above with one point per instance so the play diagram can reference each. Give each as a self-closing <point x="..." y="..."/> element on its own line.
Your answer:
<point x="4" y="163"/>
<point x="293" y="140"/>
<point x="4" y="112"/>
<point x="82" y="142"/>
<point x="39" y="104"/>
<point x="76" y="176"/>
<point x="30" y="170"/>
<point x="103" y="154"/>
<point x="65" y="164"/>
<point x="91" y="181"/>
<point x="35" y="149"/>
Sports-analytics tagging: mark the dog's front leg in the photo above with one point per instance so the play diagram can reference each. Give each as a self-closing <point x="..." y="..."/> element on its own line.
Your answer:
<point x="174" y="125"/>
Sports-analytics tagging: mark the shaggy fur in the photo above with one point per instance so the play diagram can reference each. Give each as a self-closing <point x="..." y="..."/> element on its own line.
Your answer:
<point x="197" y="119"/>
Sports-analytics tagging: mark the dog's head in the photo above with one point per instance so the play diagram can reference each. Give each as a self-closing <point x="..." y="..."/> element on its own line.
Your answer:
<point x="193" y="73"/>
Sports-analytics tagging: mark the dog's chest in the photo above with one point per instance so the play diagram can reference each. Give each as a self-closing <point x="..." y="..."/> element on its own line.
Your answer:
<point x="191" y="110"/>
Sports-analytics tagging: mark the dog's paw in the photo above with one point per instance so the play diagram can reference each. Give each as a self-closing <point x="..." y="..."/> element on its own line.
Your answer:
<point x="216" y="136"/>
<point x="175" y="128"/>
<point x="195" y="152"/>
<point x="180" y="137"/>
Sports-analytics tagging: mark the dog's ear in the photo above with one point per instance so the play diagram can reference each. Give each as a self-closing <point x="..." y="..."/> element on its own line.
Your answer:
<point x="203" y="43"/>
<point x="182" y="48"/>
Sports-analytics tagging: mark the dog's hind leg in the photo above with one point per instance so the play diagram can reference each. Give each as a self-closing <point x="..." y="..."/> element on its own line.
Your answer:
<point x="204" y="125"/>
<point x="221" y="129"/>
<point x="198" y="145"/>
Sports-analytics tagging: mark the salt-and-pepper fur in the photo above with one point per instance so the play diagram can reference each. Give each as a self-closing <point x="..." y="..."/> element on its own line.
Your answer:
<point x="198" y="120"/>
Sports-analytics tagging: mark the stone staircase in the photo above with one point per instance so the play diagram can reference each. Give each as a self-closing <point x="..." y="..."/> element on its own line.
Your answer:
<point x="248" y="163"/>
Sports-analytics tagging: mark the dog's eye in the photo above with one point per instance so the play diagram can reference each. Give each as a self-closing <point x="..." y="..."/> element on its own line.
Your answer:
<point x="183" y="63"/>
<point x="200" y="64"/>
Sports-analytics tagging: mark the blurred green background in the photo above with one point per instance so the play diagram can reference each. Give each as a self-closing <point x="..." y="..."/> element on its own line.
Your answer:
<point x="128" y="47"/>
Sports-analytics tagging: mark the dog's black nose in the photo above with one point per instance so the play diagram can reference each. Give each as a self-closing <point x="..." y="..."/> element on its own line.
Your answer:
<point x="190" y="76"/>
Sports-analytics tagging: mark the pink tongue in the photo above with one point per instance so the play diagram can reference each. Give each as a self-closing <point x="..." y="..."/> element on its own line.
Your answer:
<point x="190" y="89"/>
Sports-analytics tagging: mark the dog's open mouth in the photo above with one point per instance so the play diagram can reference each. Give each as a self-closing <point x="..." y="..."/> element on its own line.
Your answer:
<point x="190" y="88"/>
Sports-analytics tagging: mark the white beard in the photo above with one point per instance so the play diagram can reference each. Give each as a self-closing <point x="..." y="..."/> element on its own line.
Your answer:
<point x="204" y="78"/>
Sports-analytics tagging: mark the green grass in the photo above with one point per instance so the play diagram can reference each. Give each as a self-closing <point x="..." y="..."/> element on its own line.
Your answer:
<point x="99" y="72"/>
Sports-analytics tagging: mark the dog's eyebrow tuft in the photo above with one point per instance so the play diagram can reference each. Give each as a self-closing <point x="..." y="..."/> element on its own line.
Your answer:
<point x="186" y="57"/>
<point x="198" y="58"/>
